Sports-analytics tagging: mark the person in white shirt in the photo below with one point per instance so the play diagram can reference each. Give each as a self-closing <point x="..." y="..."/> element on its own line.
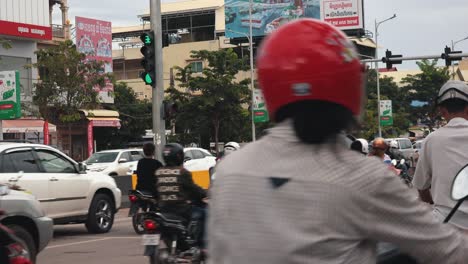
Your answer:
<point x="445" y="152"/>
<point x="300" y="194"/>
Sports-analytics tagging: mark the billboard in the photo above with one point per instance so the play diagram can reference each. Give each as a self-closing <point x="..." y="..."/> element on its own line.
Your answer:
<point x="10" y="102"/>
<point x="268" y="15"/>
<point x="386" y="114"/>
<point x="94" y="38"/>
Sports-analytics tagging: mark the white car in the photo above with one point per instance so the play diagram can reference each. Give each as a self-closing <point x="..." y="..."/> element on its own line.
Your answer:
<point x="66" y="191"/>
<point x="200" y="163"/>
<point x="117" y="162"/>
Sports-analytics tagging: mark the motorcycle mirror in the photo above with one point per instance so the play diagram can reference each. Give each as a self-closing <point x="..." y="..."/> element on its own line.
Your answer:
<point x="460" y="184"/>
<point x="459" y="190"/>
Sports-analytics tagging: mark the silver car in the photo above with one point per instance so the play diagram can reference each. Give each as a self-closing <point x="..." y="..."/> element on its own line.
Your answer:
<point x="23" y="214"/>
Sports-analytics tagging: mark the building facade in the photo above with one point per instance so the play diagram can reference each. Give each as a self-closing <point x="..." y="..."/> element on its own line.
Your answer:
<point x="200" y="25"/>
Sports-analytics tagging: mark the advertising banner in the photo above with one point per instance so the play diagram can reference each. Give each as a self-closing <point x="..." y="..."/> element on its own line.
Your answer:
<point x="260" y="111"/>
<point x="10" y="102"/>
<point x="94" y="38"/>
<point x="386" y="114"/>
<point x="25" y="30"/>
<point x="344" y="14"/>
<point x="268" y="15"/>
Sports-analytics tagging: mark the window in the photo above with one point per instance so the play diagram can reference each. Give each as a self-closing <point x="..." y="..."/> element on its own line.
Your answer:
<point x="197" y="66"/>
<point x="197" y="154"/>
<point x="20" y="161"/>
<point x="102" y="157"/>
<point x="405" y="144"/>
<point x="188" y="154"/>
<point x="136" y="155"/>
<point x="54" y="162"/>
<point x="9" y="63"/>
<point x="126" y="156"/>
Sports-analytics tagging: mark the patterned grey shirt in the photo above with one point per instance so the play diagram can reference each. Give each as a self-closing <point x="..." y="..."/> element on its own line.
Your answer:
<point x="280" y="201"/>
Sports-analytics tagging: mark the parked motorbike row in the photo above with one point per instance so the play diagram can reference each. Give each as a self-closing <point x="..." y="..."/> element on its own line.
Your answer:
<point x="168" y="238"/>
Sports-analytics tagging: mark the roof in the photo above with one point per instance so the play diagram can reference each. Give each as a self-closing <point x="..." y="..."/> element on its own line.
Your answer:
<point x="25" y="126"/>
<point x="187" y="6"/>
<point x="99" y="113"/>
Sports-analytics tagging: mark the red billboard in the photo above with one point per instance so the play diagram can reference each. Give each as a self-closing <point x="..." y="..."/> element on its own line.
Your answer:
<point x="94" y="38"/>
<point x="25" y="30"/>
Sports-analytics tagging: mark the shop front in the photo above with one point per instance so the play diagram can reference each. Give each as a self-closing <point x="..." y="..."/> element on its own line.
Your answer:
<point x="31" y="130"/>
<point x="96" y="120"/>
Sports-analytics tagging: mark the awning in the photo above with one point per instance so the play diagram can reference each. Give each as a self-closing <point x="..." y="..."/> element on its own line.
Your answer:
<point x="100" y="113"/>
<point x="26" y="126"/>
<point x="367" y="42"/>
<point x="104" y="122"/>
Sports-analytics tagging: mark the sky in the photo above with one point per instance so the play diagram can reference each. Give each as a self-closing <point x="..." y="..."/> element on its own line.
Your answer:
<point x="422" y="27"/>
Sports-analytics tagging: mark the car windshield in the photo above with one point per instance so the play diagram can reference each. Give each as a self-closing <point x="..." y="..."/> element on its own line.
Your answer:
<point x="103" y="157"/>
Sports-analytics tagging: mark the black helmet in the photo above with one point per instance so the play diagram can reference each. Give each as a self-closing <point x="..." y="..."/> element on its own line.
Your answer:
<point x="173" y="154"/>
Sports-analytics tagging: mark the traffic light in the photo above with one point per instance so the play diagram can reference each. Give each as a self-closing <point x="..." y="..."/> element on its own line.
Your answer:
<point x="446" y="56"/>
<point x="170" y="110"/>
<point x="148" y="62"/>
<point x="389" y="59"/>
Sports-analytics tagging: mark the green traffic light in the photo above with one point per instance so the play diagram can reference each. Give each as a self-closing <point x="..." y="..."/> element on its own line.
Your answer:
<point x="147" y="39"/>
<point x="148" y="79"/>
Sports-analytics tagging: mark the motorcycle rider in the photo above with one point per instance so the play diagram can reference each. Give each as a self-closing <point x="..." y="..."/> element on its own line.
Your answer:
<point x="379" y="149"/>
<point x="393" y="152"/>
<point x="231" y="147"/>
<point x="444" y="152"/>
<point x="360" y="145"/>
<point x="176" y="191"/>
<point x="146" y="168"/>
<point x="299" y="194"/>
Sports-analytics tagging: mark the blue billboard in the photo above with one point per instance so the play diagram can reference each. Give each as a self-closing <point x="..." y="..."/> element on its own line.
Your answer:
<point x="268" y="15"/>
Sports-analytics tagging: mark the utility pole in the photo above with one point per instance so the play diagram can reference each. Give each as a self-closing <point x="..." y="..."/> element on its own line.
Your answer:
<point x="159" y="126"/>
<point x="377" y="24"/>
<point x="251" y="68"/>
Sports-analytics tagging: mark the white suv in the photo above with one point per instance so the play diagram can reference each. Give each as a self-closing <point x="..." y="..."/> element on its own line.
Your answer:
<point x="116" y="162"/>
<point x="67" y="193"/>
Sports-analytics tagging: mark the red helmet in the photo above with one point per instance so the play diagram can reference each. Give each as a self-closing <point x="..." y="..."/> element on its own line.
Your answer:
<point x="310" y="60"/>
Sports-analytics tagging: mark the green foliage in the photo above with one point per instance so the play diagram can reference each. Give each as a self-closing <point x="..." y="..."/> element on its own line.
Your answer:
<point x="424" y="87"/>
<point x="67" y="82"/>
<point x="6" y="44"/>
<point x="211" y="103"/>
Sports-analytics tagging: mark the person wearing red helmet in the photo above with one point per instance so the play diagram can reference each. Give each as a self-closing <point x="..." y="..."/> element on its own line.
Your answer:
<point x="299" y="194"/>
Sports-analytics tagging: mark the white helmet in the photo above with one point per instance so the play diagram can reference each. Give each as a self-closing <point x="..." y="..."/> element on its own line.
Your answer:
<point x="364" y="145"/>
<point x="393" y="144"/>
<point x="231" y="147"/>
<point x="451" y="90"/>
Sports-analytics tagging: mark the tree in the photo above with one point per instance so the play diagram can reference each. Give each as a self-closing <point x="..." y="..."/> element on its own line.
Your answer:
<point x="389" y="90"/>
<point x="67" y="83"/>
<point x="6" y="44"/>
<point x="423" y="88"/>
<point x="135" y="116"/>
<point x="213" y="99"/>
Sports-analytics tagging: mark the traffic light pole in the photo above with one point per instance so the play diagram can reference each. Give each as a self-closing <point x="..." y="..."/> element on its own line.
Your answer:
<point x="159" y="126"/>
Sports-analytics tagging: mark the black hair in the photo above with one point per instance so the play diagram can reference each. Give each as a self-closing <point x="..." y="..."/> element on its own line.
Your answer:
<point x="454" y="105"/>
<point x="316" y="121"/>
<point x="148" y="149"/>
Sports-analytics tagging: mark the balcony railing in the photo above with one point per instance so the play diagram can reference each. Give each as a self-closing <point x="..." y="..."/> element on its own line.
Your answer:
<point x="58" y="31"/>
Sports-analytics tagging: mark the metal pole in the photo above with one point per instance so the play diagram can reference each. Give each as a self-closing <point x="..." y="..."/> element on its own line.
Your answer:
<point x="251" y="69"/>
<point x="378" y="75"/>
<point x="1" y="129"/>
<point x="159" y="127"/>
<point x="453" y="66"/>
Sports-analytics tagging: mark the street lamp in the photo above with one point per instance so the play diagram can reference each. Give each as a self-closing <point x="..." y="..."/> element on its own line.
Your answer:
<point x="377" y="24"/>
<point x="249" y="38"/>
<point x="453" y="48"/>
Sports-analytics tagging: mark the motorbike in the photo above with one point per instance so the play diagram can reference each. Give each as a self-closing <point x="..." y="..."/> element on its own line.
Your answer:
<point x="140" y="203"/>
<point x="171" y="239"/>
<point x="402" y="168"/>
<point x="459" y="193"/>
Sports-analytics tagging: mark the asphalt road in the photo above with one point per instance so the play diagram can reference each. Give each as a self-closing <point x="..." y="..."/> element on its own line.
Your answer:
<point x="72" y="244"/>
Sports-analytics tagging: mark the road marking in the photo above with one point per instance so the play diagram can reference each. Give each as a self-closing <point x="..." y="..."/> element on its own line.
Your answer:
<point x="77" y="243"/>
<point x="91" y="241"/>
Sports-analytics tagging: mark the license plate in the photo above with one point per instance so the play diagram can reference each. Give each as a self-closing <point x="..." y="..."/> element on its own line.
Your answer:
<point x="151" y="240"/>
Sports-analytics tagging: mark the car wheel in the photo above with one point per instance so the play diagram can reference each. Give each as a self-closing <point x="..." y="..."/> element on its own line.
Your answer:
<point x="26" y="240"/>
<point x="100" y="215"/>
